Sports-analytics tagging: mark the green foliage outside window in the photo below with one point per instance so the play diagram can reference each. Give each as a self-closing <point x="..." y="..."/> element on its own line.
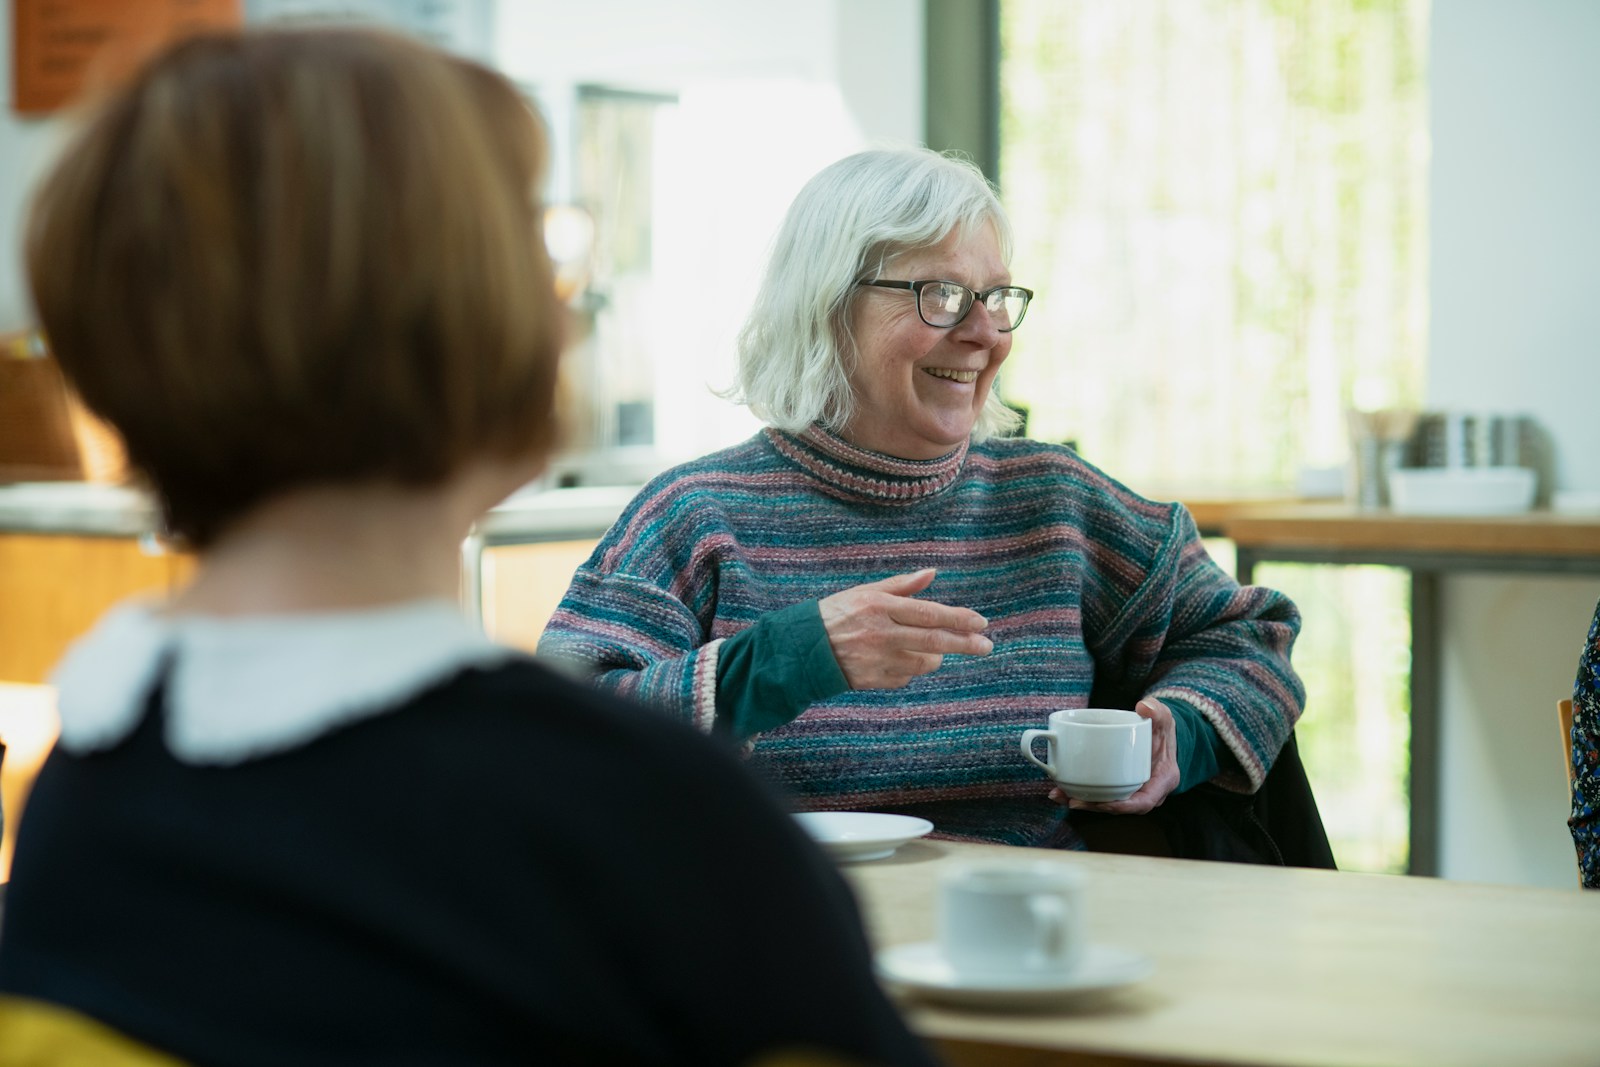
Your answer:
<point x="1222" y="206"/>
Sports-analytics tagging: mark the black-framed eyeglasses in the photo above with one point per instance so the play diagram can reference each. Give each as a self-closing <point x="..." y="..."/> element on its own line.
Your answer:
<point x="944" y="304"/>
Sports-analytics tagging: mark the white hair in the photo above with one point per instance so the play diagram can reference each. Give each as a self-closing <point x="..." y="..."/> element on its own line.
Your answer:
<point x="796" y="350"/>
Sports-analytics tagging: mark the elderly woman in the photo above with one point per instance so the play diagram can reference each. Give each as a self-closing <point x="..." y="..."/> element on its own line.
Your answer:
<point x="879" y="592"/>
<point x="303" y="812"/>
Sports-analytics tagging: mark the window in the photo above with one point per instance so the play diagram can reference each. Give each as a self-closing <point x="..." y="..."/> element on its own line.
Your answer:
<point x="1222" y="207"/>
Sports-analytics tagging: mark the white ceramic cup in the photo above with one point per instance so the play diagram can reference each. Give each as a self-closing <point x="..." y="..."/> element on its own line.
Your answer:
<point x="1094" y="754"/>
<point x="1011" y="920"/>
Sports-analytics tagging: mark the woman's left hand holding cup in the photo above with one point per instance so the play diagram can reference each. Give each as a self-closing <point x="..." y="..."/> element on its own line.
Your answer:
<point x="1163" y="767"/>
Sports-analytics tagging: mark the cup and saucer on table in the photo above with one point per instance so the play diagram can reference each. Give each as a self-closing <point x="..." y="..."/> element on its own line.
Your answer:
<point x="1011" y="935"/>
<point x="1014" y="934"/>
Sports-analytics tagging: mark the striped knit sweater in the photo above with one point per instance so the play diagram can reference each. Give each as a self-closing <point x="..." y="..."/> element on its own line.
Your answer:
<point x="1095" y="596"/>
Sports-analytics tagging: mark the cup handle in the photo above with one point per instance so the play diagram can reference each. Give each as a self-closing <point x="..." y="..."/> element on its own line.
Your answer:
<point x="1028" y="737"/>
<point x="1050" y="915"/>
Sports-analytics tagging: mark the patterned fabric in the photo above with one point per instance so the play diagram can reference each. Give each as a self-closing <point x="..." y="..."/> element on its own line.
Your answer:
<point x="1095" y="596"/>
<point x="1585" y="819"/>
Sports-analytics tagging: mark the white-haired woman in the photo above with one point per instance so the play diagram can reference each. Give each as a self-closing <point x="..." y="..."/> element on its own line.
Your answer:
<point x="880" y="591"/>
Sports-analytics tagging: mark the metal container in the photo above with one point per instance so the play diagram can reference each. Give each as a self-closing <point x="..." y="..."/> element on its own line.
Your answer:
<point x="1466" y="439"/>
<point x="1484" y="439"/>
<point x="1380" y="441"/>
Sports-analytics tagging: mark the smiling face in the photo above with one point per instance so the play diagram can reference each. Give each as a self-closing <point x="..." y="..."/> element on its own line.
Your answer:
<point x="920" y="389"/>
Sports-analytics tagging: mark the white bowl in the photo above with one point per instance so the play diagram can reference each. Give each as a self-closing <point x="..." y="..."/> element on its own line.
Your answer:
<point x="1461" y="490"/>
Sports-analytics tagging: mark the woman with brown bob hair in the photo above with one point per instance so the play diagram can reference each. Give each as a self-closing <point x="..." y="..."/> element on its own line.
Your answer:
<point x="303" y="812"/>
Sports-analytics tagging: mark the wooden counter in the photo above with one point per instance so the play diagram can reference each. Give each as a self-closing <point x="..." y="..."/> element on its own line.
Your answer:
<point x="1450" y="541"/>
<point x="1429" y="547"/>
<point x="68" y="551"/>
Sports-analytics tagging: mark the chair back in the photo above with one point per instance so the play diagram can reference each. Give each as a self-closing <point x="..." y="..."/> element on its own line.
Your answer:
<point x="1564" y="717"/>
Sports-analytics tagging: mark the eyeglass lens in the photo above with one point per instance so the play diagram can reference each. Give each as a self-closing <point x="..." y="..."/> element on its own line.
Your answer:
<point x="946" y="303"/>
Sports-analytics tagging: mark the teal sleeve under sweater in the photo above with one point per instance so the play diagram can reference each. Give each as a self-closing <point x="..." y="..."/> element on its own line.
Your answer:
<point x="774" y="670"/>
<point x="771" y="672"/>
<point x="1200" y="750"/>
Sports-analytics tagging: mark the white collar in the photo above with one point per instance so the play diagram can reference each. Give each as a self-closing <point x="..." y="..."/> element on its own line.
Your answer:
<point x="242" y="688"/>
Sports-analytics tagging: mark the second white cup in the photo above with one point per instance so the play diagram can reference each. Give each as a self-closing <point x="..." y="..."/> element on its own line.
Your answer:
<point x="1005" y="921"/>
<point x="1094" y="754"/>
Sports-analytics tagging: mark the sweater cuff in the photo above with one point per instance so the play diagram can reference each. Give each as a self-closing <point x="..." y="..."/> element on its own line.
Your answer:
<point x="774" y="670"/>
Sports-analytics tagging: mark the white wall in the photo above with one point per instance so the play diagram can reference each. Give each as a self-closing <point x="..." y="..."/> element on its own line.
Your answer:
<point x="871" y="50"/>
<point x="1515" y="217"/>
<point x="1510" y="652"/>
<point x="769" y="93"/>
<point x="1516" y="327"/>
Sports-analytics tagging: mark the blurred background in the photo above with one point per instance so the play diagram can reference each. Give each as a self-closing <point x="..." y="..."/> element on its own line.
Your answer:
<point x="1244" y="220"/>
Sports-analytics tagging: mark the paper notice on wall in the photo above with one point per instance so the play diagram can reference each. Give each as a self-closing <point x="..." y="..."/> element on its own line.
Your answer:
<point x="62" y="48"/>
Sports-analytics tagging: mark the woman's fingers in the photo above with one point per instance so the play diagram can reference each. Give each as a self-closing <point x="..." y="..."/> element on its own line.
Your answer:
<point x="907" y="584"/>
<point x="926" y="614"/>
<point x="882" y="637"/>
<point x="917" y="639"/>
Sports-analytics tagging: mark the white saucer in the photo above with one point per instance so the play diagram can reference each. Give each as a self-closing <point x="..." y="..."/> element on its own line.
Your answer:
<point x="861" y="835"/>
<point x="922" y="968"/>
<point x="1098" y="793"/>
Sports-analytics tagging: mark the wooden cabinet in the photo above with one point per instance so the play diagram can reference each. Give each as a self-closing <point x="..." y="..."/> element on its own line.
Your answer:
<point x="53" y="588"/>
<point x="522" y="584"/>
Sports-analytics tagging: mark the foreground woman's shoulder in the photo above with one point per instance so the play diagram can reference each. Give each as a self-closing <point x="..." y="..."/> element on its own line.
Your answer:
<point x="531" y="696"/>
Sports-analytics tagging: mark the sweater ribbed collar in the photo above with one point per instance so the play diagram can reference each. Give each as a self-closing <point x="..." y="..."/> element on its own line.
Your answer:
<point x="859" y="474"/>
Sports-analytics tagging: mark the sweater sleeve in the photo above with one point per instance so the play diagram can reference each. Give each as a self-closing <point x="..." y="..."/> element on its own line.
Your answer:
<point x="639" y="618"/>
<point x="633" y="638"/>
<point x="1189" y="635"/>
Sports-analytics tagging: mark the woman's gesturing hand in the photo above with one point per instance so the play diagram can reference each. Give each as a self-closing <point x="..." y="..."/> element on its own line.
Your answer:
<point x="1163" y="767"/>
<point x="883" y="638"/>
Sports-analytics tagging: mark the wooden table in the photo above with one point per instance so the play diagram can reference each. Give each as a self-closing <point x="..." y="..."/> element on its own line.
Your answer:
<point x="1271" y="965"/>
<point x="1429" y="547"/>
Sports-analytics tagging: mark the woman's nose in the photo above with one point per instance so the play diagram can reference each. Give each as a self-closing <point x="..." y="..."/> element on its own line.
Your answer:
<point x="979" y="326"/>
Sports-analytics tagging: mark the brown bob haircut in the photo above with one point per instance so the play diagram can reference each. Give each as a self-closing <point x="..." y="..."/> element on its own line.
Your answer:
<point x="294" y="258"/>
